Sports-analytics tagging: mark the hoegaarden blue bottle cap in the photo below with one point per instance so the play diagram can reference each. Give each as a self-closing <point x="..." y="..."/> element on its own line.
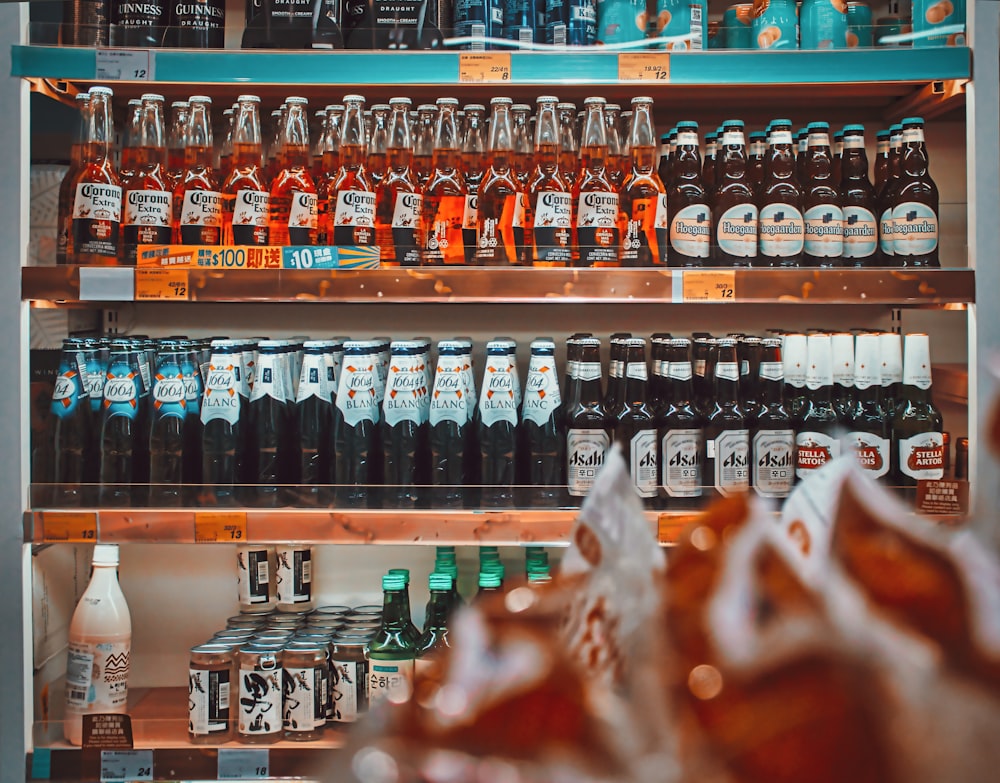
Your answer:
<point x="913" y="121"/>
<point x="818" y="126"/>
<point x="733" y="124"/>
<point x="854" y="128"/>
<point x="882" y="134"/>
<point x="780" y="122"/>
<point x="897" y="128"/>
<point x="687" y="125"/>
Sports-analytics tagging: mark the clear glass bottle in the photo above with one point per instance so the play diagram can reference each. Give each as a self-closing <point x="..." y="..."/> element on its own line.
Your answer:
<point x="197" y="200"/>
<point x="500" y="209"/>
<point x="445" y="193"/>
<point x="398" y="196"/>
<point x="642" y="198"/>
<point x="292" y="209"/>
<point x="351" y="211"/>
<point x="246" y="194"/>
<point x="97" y="200"/>
<point x="594" y="197"/>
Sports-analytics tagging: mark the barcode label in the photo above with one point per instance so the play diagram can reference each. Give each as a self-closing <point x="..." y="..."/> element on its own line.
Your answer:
<point x="262" y="572"/>
<point x="77" y="695"/>
<point x="559" y="35"/>
<point x="696" y="42"/>
<point x="525" y="35"/>
<point x="478" y="31"/>
<point x="223" y="695"/>
<point x="307" y="571"/>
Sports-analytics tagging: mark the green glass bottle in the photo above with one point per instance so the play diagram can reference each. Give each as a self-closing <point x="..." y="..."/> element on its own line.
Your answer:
<point x="404" y="573"/>
<point x="435" y="635"/>
<point x="392" y="650"/>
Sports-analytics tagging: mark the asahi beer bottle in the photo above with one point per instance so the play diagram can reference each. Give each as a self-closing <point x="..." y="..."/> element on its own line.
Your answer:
<point x="594" y="197"/>
<point x="773" y="445"/>
<point x="148" y="201"/>
<point x="71" y="427"/>
<point x="857" y="197"/>
<point x="782" y="229"/>
<point x="917" y="440"/>
<point x="167" y="427"/>
<point x="687" y="202"/>
<point x="886" y="237"/>
<point x="501" y="202"/>
<point x="914" y="201"/>
<point x="635" y="425"/>
<point x="816" y="440"/>
<point x="405" y="427"/>
<point x="97" y="202"/>
<point x="398" y="196"/>
<point x="314" y="414"/>
<point x="269" y="423"/>
<point x="734" y="210"/>
<point x="842" y="347"/>
<point x="542" y="431"/>
<point x="497" y="423"/>
<point x="351" y="217"/>
<point x="356" y="436"/>
<point x="121" y="424"/>
<point x="445" y="192"/>
<point x="588" y="425"/>
<point x="794" y="359"/>
<point x="198" y="24"/>
<point x="681" y="439"/>
<point x="727" y="438"/>
<point x="197" y="201"/>
<point x="140" y="24"/>
<point x="891" y="353"/>
<point x="474" y="140"/>
<point x="616" y="371"/>
<point x="292" y="206"/>
<point x="245" y="205"/>
<point x="824" y="218"/>
<point x="222" y="439"/>
<point x="868" y="429"/>
<point x="642" y="198"/>
<point x="550" y="197"/>
<point x="67" y="188"/>
<point x="449" y="420"/>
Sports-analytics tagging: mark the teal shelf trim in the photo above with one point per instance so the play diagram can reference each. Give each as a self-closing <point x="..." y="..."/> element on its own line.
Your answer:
<point x="527" y="68"/>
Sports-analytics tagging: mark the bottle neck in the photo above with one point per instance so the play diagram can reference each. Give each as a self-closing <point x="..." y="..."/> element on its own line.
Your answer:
<point x="854" y="164"/>
<point x="395" y="609"/>
<point x="913" y="161"/>
<point x="439" y="609"/>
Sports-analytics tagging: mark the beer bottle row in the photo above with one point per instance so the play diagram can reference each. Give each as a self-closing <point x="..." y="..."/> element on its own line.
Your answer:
<point x="433" y="188"/>
<point x="369" y="423"/>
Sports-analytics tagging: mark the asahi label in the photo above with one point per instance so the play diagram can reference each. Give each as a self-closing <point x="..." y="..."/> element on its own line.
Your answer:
<point x="922" y="456"/>
<point x="586" y="450"/>
<point x="732" y="461"/>
<point x="824" y="231"/>
<point x="860" y="232"/>
<point x="646" y="230"/>
<point x="391" y="680"/>
<point x="552" y="228"/>
<point x="354" y="218"/>
<point x="222" y="399"/>
<point x="147" y="217"/>
<point x="691" y="231"/>
<point x="541" y="391"/>
<point x="886" y="240"/>
<point x="356" y="396"/>
<point x="97" y="212"/>
<point x="260" y="698"/>
<point x="302" y="218"/>
<point x="914" y="229"/>
<point x="201" y="218"/>
<point x="642" y="463"/>
<point x="814" y="450"/>
<point x="678" y="371"/>
<point x="871" y="452"/>
<point x="782" y="231"/>
<point x="405" y="391"/>
<point x="250" y="212"/>
<point x="97" y="676"/>
<point x="597" y="228"/>
<point x="304" y="699"/>
<point x="208" y="701"/>
<point x="445" y="240"/>
<point x="405" y="228"/>
<point x="774" y="462"/>
<point x="736" y="232"/>
<point x="681" y="458"/>
<point x="449" y="400"/>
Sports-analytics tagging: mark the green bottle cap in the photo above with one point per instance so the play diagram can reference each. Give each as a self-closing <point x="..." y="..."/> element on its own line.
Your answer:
<point x="393" y="582"/>
<point x="489" y="579"/>
<point x="443" y="549"/>
<point x="493" y="568"/>
<point x="404" y="573"/>
<point x="438" y="581"/>
<point x="538" y="578"/>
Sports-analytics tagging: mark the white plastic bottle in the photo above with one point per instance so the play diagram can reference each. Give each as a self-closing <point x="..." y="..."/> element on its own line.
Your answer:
<point x="100" y="646"/>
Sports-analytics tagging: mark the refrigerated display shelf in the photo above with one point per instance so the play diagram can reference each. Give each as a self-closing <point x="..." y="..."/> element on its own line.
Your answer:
<point x="71" y="284"/>
<point x="159" y="723"/>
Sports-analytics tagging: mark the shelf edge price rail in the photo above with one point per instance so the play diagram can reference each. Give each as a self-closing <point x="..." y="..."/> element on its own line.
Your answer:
<point x="220" y="527"/>
<point x="69" y="526"/>
<point x="698" y="285"/>
<point x="162" y="285"/>
<point x="644" y="67"/>
<point x="482" y="67"/>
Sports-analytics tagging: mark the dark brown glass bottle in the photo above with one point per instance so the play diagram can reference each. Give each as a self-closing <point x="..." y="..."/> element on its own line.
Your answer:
<point x="588" y="425"/>
<point x="727" y="438"/>
<point x="773" y="445"/>
<point x="821" y="211"/>
<point x="917" y="440"/>
<point x="914" y="200"/>
<point x="681" y="439"/>
<point x="886" y="239"/>
<point x="857" y="197"/>
<point x="734" y="208"/>
<point x="708" y="164"/>
<point x="782" y="228"/>
<point x="868" y="429"/>
<point x="635" y="425"/>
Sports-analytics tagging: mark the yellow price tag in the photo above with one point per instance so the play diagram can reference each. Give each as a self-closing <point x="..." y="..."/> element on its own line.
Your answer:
<point x="644" y="67"/>
<point x="479" y="67"/>
<point x="670" y="526"/>
<point x="220" y="526"/>
<point x="79" y="526"/>
<point x="709" y="286"/>
<point x="169" y="285"/>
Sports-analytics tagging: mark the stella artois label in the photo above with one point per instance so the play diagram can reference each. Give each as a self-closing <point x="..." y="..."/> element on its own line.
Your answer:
<point x="922" y="456"/>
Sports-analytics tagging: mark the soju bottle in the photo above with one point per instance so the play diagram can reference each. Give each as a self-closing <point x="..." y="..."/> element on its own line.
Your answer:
<point x="435" y="635"/>
<point x="392" y="651"/>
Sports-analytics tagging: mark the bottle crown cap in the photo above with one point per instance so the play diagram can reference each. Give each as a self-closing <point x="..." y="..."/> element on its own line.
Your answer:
<point x="854" y="129"/>
<point x="197" y="99"/>
<point x="912" y="121"/>
<point x="105" y="554"/>
<point x="818" y="126"/>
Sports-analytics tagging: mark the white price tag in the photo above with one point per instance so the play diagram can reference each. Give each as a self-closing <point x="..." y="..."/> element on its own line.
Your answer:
<point x="126" y="65"/>
<point x="107" y="284"/>
<point x="126" y="765"/>
<point x="243" y="763"/>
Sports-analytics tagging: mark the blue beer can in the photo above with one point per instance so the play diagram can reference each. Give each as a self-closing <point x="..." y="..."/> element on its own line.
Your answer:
<point x="931" y="14"/>
<point x="859" y="25"/>
<point x="621" y="21"/>
<point x="775" y="25"/>
<point x="823" y="24"/>
<point x="683" y="17"/>
<point x="581" y="24"/>
<point x="737" y="26"/>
